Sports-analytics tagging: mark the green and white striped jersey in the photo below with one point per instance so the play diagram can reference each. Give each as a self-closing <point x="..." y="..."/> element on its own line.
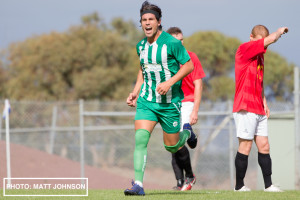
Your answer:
<point x="160" y="61"/>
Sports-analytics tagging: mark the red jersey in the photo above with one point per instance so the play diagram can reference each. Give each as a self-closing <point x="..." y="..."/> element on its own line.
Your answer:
<point x="187" y="82"/>
<point x="249" y="74"/>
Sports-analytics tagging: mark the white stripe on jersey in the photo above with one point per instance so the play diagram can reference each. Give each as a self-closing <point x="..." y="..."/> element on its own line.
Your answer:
<point x="164" y="59"/>
<point x="145" y="57"/>
<point x="154" y="52"/>
<point x="146" y="61"/>
<point x="157" y="74"/>
<point x="150" y="86"/>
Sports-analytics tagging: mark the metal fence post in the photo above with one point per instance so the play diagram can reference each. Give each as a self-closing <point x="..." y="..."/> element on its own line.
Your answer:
<point x="231" y="150"/>
<point x="1" y="129"/>
<point x="53" y="127"/>
<point x="81" y="124"/>
<point x="297" y="122"/>
<point x="7" y="138"/>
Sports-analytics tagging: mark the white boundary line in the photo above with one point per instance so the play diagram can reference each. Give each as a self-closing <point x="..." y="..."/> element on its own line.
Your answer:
<point x="87" y="180"/>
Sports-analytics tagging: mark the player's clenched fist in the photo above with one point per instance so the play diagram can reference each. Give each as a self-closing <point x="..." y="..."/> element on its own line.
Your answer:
<point x="283" y="30"/>
<point x="163" y="88"/>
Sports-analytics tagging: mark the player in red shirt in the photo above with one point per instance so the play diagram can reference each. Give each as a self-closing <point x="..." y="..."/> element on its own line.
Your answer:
<point x="250" y="109"/>
<point x="192" y="89"/>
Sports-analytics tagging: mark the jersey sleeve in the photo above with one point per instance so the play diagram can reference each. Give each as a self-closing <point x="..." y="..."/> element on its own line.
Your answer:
<point x="251" y="49"/>
<point x="198" y="72"/>
<point x="140" y="45"/>
<point x="179" y="52"/>
<point x="137" y="49"/>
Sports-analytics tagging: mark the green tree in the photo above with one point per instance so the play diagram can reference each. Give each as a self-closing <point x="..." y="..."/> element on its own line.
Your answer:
<point x="222" y="88"/>
<point x="278" y="77"/>
<point x="99" y="61"/>
<point x="92" y="19"/>
<point x="87" y="61"/>
<point x="127" y="29"/>
<point x="3" y="78"/>
<point x="216" y="53"/>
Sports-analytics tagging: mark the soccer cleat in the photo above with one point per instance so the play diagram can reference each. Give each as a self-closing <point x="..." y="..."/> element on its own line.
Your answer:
<point x="135" y="190"/>
<point x="192" y="141"/>
<point x="243" y="189"/>
<point x="189" y="182"/>
<point x="180" y="183"/>
<point x="273" y="188"/>
<point x="177" y="188"/>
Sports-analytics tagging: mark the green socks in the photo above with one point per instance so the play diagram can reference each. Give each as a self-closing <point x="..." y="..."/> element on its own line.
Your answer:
<point x="183" y="136"/>
<point x="142" y="137"/>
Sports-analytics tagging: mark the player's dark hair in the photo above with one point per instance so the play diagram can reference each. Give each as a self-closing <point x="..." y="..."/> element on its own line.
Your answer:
<point x="174" y="31"/>
<point x="260" y="30"/>
<point x="151" y="8"/>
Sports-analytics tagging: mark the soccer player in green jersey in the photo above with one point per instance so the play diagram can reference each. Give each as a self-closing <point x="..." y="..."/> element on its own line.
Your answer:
<point x="157" y="92"/>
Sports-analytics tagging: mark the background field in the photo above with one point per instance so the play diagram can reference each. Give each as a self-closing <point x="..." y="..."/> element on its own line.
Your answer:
<point x="45" y="142"/>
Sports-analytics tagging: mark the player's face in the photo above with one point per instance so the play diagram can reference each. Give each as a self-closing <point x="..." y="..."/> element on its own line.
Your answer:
<point x="178" y="36"/>
<point x="150" y="26"/>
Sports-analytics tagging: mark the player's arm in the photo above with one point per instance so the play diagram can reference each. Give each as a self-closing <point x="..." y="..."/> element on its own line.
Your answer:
<point x="133" y="96"/>
<point x="197" y="100"/>
<point x="266" y="108"/>
<point x="185" y="69"/>
<point x="273" y="37"/>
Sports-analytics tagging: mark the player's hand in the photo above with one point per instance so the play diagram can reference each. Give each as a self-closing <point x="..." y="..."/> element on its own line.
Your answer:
<point x="131" y="100"/>
<point x="266" y="108"/>
<point x="267" y="111"/>
<point x="283" y="30"/>
<point x="163" y="88"/>
<point x="193" y="118"/>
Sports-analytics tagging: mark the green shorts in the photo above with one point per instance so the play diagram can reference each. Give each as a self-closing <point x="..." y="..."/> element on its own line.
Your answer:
<point x="167" y="114"/>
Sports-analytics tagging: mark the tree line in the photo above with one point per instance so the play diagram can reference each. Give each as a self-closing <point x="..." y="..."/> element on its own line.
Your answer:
<point x="96" y="60"/>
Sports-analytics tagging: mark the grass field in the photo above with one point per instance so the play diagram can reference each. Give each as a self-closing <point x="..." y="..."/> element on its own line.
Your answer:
<point x="174" y="195"/>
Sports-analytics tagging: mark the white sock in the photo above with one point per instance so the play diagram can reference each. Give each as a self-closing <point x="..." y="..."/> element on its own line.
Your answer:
<point x="139" y="183"/>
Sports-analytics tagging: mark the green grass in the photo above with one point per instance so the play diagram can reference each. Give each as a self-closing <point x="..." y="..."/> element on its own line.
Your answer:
<point x="174" y="195"/>
<point x="44" y="192"/>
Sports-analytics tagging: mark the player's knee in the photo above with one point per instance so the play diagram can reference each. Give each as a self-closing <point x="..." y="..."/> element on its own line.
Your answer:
<point x="264" y="147"/>
<point x="141" y="138"/>
<point x="172" y="149"/>
<point x="245" y="147"/>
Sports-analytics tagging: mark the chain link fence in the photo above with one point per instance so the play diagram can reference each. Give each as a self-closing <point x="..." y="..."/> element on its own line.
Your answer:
<point x="54" y="127"/>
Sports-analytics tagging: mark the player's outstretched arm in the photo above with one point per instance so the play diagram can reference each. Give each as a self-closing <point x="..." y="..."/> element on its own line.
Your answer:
<point x="273" y="37"/>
